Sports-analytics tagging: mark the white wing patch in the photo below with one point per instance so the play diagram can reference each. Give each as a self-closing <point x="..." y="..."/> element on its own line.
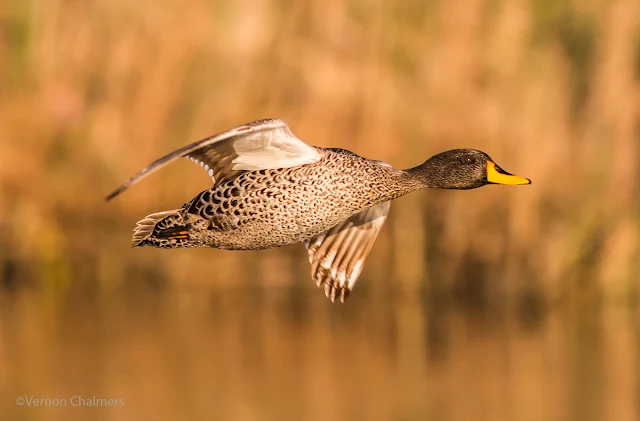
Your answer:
<point x="275" y="149"/>
<point x="337" y="256"/>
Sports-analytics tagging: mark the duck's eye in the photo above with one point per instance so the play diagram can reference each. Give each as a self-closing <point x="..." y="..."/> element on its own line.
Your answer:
<point x="468" y="159"/>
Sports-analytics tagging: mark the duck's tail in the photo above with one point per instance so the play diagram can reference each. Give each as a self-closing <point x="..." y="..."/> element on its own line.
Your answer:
<point x="166" y="229"/>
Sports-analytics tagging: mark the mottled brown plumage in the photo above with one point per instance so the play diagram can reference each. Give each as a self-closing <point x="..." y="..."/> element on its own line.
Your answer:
<point x="270" y="189"/>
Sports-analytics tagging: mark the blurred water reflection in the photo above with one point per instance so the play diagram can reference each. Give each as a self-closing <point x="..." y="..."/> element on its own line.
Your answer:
<point x="174" y="352"/>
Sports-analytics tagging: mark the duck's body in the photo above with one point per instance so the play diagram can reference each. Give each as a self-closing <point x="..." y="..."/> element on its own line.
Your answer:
<point x="271" y="189"/>
<point x="269" y="208"/>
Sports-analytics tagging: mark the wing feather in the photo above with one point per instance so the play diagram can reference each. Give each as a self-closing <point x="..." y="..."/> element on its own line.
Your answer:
<point x="262" y="144"/>
<point x="337" y="256"/>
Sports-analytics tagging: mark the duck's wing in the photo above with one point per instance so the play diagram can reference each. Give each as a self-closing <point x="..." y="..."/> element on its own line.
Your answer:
<point x="338" y="255"/>
<point x="262" y="144"/>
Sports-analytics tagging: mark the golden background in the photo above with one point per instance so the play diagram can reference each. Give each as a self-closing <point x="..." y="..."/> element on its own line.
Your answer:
<point x="501" y="303"/>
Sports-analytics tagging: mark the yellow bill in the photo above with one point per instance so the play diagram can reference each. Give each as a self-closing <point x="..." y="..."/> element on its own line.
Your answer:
<point x="497" y="175"/>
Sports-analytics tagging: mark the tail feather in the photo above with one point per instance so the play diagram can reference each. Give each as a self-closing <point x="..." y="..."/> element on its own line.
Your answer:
<point x="165" y="225"/>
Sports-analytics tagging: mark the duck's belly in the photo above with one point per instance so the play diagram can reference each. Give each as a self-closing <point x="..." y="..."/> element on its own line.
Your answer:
<point x="265" y="232"/>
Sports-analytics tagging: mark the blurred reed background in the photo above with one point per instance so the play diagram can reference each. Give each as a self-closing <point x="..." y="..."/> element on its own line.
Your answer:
<point x="498" y="303"/>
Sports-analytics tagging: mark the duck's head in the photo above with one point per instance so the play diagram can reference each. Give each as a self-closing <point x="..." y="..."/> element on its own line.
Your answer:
<point x="463" y="169"/>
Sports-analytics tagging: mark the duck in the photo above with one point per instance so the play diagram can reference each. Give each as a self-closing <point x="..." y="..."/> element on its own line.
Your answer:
<point x="271" y="189"/>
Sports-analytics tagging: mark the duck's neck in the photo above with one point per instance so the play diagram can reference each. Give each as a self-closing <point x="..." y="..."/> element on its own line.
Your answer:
<point x="401" y="182"/>
<point x="425" y="175"/>
<point x="398" y="183"/>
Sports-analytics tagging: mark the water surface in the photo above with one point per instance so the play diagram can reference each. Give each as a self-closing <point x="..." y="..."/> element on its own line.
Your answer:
<point x="171" y="352"/>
